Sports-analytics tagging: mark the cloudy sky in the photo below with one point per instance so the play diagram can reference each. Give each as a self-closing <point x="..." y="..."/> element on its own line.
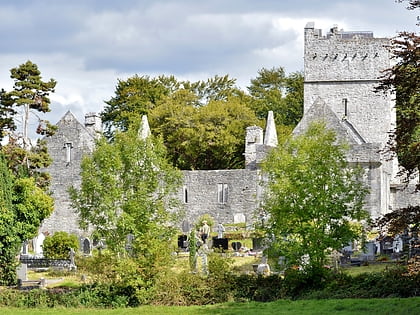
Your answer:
<point x="87" y="45"/>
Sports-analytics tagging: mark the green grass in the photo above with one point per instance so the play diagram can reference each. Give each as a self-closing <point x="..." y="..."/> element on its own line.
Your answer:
<point x="347" y="306"/>
<point x="354" y="271"/>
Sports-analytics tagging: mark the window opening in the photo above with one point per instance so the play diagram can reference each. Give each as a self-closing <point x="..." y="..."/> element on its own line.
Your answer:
<point x="222" y="193"/>
<point x="345" y="107"/>
<point x="185" y="194"/>
<point x="68" y="146"/>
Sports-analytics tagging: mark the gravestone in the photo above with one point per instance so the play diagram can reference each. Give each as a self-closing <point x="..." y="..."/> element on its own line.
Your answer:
<point x="263" y="269"/>
<point x="182" y="241"/>
<point x="239" y="218"/>
<point x="129" y="243"/>
<point x="87" y="246"/>
<point x="22" y="271"/>
<point x="38" y="241"/>
<point x="236" y="246"/>
<point x="257" y="244"/>
<point x="220" y="243"/>
<point x="25" y="248"/>
<point x="186" y="227"/>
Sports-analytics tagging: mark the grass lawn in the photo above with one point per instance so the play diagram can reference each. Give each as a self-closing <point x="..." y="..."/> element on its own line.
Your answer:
<point x="353" y="271"/>
<point x="347" y="306"/>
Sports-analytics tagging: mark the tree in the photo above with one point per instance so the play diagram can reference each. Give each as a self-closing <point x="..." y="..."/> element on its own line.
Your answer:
<point x="403" y="79"/>
<point x="400" y="221"/>
<point x="312" y="197"/>
<point x="29" y="92"/>
<point x="23" y="206"/>
<point x="6" y="115"/>
<point x="30" y="95"/>
<point x="133" y="98"/>
<point x="412" y="4"/>
<point x="273" y="90"/>
<point x="128" y="189"/>
<point x="58" y="245"/>
<point x="211" y="136"/>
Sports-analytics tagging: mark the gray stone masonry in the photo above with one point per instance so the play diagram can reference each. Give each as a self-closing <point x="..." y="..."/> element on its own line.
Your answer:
<point x="341" y="71"/>
<point x="67" y="148"/>
<point x="201" y="194"/>
<point x="344" y="72"/>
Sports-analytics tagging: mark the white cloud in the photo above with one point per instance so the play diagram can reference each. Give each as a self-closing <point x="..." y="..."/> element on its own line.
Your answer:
<point x="87" y="45"/>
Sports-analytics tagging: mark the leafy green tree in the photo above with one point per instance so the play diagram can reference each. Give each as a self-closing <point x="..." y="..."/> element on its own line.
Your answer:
<point x="133" y="98"/>
<point x="29" y="95"/>
<point x="23" y="206"/>
<point x="273" y="90"/>
<point x="128" y="189"/>
<point x="6" y="115"/>
<point x="403" y="78"/>
<point x="204" y="137"/>
<point x="312" y="197"/>
<point x="58" y="245"/>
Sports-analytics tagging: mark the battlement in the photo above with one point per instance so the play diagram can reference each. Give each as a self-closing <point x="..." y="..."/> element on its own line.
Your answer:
<point x="344" y="67"/>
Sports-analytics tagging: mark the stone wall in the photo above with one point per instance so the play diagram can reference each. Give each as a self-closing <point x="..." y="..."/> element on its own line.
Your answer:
<point x="200" y="194"/>
<point x="67" y="148"/>
<point x="344" y="72"/>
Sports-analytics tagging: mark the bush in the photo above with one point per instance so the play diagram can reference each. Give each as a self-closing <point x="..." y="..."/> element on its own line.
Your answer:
<point x="59" y="244"/>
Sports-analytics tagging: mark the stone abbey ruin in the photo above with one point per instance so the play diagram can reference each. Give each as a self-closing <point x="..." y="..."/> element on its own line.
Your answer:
<point x="341" y="70"/>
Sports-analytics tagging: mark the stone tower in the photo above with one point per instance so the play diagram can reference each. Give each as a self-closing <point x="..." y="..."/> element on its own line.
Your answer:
<point x="343" y="69"/>
<point x="340" y="74"/>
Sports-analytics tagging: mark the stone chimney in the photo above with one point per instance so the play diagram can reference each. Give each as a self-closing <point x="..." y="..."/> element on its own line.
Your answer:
<point x="93" y="123"/>
<point x="253" y="139"/>
<point x="144" y="131"/>
<point x="270" y="138"/>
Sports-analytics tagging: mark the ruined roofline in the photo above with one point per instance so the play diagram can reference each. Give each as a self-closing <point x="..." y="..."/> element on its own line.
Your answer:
<point x="335" y="33"/>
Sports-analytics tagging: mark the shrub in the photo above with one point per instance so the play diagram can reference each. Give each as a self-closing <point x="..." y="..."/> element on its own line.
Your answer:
<point x="59" y="244"/>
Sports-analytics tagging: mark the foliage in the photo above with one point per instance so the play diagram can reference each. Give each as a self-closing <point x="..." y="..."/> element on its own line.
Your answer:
<point x="127" y="189"/>
<point x="30" y="95"/>
<point x="412" y="4"/>
<point x="133" y="98"/>
<point x="312" y="198"/>
<point x="192" y="248"/>
<point x="6" y="115"/>
<point x="403" y="78"/>
<point x="23" y="206"/>
<point x="203" y="123"/>
<point x="191" y="289"/>
<point x="210" y="136"/>
<point x="205" y="217"/>
<point x="58" y="245"/>
<point x="401" y="220"/>
<point x="30" y="92"/>
<point x="273" y="90"/>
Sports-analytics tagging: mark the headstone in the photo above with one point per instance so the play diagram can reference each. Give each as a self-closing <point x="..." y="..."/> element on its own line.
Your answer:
<point x="263" y="268"/>
<point x="186" y="228"/>
<point x="236" y="246"/>
<point x="182" y="241"/>
<point x="21" y="271"/>
<point x="38" y="241"/>
<point x="129" y="242"/>
<point x="398" y="244"/>
<point x="86" y="246"/>
<point x="239" y="218"/>
<point x="257" y="244"/>
<point x="220" y="243"/>
<point x="72" y="254"/>
<point x="220" y="230"/>
<point x="204" y="261"/>
<point x="24" y="248"/>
